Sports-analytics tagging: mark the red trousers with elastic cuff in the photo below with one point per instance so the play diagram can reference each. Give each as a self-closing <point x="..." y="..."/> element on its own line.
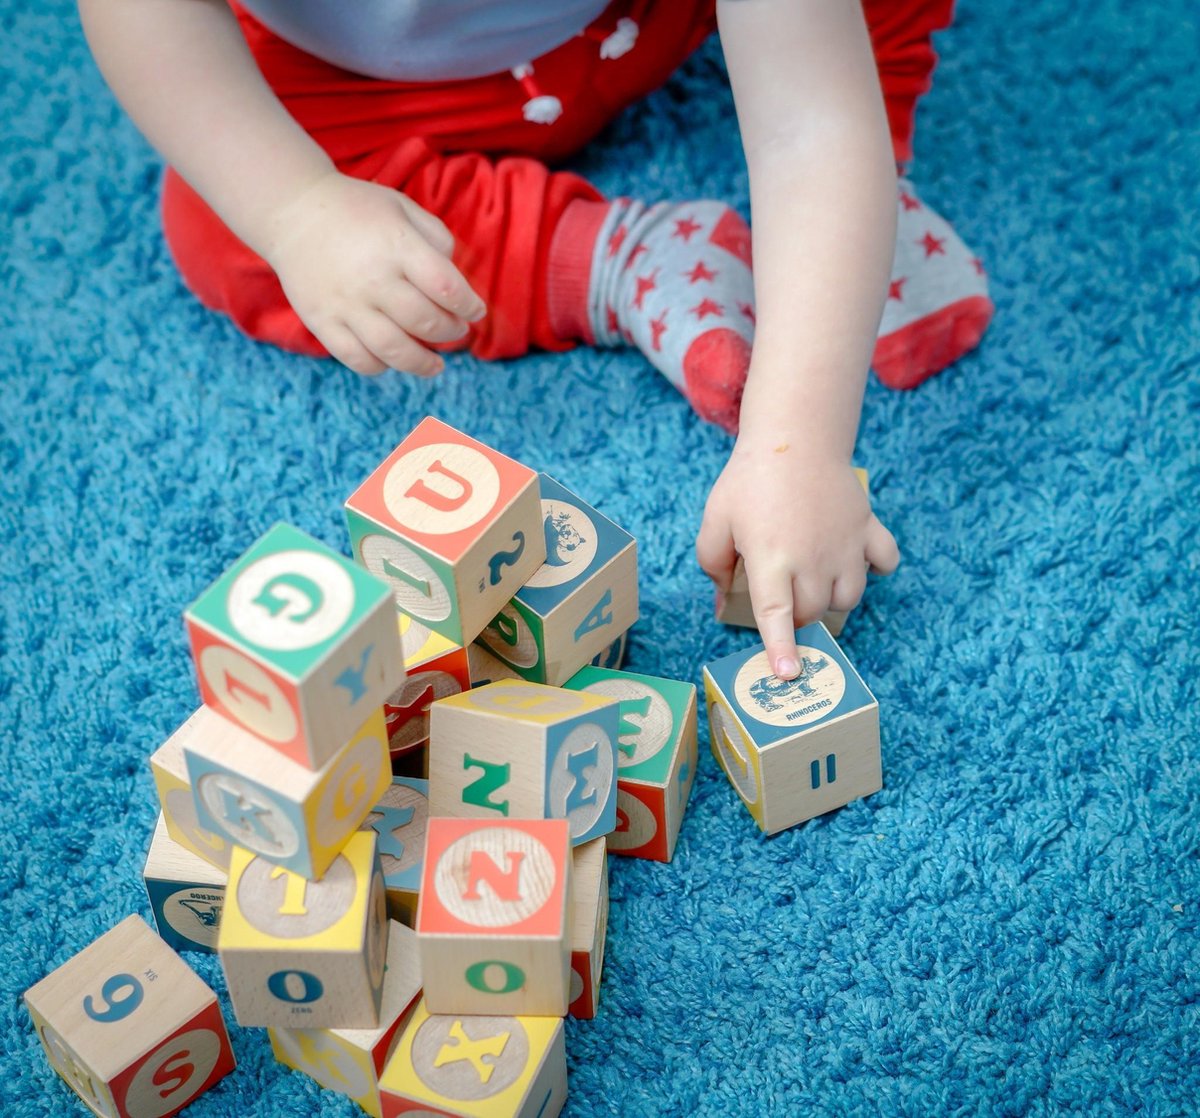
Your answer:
<point x="464" y="151"/>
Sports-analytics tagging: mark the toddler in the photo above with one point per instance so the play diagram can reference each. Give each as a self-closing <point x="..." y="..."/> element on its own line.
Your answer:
<point x="371" y="181"/>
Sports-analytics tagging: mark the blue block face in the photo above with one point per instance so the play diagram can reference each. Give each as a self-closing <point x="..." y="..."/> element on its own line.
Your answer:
<point x="828" y="687"/>
<point x="400" y="820"/>
<point x="581" y="773"/>
<point x="188" y="917"/>
<point x="579" y="541"/>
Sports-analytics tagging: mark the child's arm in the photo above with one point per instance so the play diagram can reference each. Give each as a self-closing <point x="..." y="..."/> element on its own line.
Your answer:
<point x="367" y="270"/>
<point x="823" y="198"/>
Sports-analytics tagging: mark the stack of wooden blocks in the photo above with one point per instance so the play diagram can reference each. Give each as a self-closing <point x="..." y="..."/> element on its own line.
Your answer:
<point x="390" y="815"/>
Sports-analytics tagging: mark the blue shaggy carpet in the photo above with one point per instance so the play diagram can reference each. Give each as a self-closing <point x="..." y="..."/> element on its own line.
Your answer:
<point x="1011" y="925"/>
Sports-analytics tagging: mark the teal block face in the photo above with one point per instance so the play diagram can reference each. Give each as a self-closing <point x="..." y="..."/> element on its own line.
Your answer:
<point x="188" y="917"/>
<point x="581" y="773"/>
<point x="579" y="541"/>
<point x="516" y="635"/>
<point x="651" y="717"/>
<point x="288" y="601"/>
<point x="400" y="820"/>
<point x="827" y="688"/>
<point x="249" y="815"/>
<point x="421" y="584"/>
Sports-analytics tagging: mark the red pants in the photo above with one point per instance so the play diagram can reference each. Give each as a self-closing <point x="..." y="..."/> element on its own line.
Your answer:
<point x="429" y="140"/>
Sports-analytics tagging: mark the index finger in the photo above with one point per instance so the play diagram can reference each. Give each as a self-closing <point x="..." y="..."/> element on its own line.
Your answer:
<point x="771" y="596"/>
<point x="436" y="277"/>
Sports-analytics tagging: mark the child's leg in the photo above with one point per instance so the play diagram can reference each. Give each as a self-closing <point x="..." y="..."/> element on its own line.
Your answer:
<point x="937" y="307"/>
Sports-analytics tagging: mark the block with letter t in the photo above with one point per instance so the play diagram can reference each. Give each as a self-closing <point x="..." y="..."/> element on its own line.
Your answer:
<point x="458" y="1066"/>
<point x="306" y="954"/>
<point x="296" y="645"/>
<point x="656" y="757"/>
<point x="494" y="916"/>
<point x="522" y="750"/>
<point x="130" y="1027"/>
<point x="256" y="798"/>
<point x="451" y="525"/>
<point x="578" y="602"/>
<point x="794" y="749"/>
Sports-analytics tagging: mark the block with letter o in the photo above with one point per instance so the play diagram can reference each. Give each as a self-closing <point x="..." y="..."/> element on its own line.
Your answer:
<point x="494" y="920"/>
<point x="130" y="1027"/>
<point x="294" y="644"/>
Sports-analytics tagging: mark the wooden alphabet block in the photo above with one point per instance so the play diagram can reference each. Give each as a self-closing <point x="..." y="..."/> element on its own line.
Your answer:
<point x="656" y="757"/>
<point x="577" y="602"/>
<point x="494" y="916"/>
<point x="525" y="751"/>
<point x="178" y="804"/>
<point x="296" y="645"/>
<point x="589" y="925"/>
<point x="737" y="609"/>
<point x="796" y="749"/>
<point x="306" y="954"/>
<point x="486" y="668"/>
<point x="257" y="798"/>
<point x="613" y="656"/>
<point x="130" y="1027"/>
<point x="351" y="1061"/>
<point x="451" y="525"/>
<point x="400" y="819"/>
<point x="436" y="668"/>
<point x="186" y="893"/>
<point x="476" y="1067"/>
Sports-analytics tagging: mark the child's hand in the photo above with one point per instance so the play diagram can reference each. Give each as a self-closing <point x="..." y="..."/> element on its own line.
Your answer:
<point x="804" y="527"/>
<point x="369" y="273"/>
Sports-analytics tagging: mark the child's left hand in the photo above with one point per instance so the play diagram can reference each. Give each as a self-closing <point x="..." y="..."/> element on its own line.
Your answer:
<point x="804" y="528"/>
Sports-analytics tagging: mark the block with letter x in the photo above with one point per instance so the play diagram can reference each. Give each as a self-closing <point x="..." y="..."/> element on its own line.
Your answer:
<point x="451" y="525"/>
<point x="493" y="920"/>
<point x="296" y="644"/>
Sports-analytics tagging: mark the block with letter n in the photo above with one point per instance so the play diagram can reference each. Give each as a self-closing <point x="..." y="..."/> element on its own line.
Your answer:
<point x="350" y="1061"/>
<point x="458" y="1066"/>
<point x="451" y="525"/>
<point x="578" y="602"/>
<point x="296" y="817"/>
<point x="656" y="757"/>
<point x="521" y="750"/>
<point x="794" y="749"/>
<point x="130" y="1027"/>
<point x="494" y="916"/>
<point x="306" y="954"/>
<point x="296" y="645"/>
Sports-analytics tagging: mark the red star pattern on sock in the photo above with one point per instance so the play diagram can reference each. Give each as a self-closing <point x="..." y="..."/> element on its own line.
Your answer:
<point x="658" y="327"/>
<point x="610" y="317"/>
<point x="645" y="284"/>
<point x="634" y="255"/>
<point x="700" y="272"/>
<point x="616" y="240"/>
<point x="978" y="265"/>
<point x="706" y="307"/>
<point x="932" y="245"/>
<point x="685" y="227"/>
<point x="895" y="288"/>
<point x="908" y="201"/>
<point x="748" y="311"/>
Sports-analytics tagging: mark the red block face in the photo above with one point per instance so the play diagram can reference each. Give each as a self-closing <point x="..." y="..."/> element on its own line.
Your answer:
<point x="583" y="999"/>
<point x="407" y="710"/>
<point x="179" y="1069"/>
<point x="641" y="822"/>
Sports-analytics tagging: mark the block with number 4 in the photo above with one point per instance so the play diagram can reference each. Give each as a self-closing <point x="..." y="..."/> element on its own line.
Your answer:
<point x="794" y="749"/>
<point x="130" y="1027"/>
<point x="296" y="644"/>
<point x="476" y="1067"/>
<point x="494" y="916"/>
<point x="350" y="1061"/>
<point x="522" y="750"/>
<point x="656" y="757"/>
<point x="306" y="954"/>
<point x="578" y="602"/>
<point x="451" y="525"/>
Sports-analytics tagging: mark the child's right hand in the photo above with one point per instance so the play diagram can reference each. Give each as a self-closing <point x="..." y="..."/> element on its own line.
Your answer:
<point x="369" y="273"/>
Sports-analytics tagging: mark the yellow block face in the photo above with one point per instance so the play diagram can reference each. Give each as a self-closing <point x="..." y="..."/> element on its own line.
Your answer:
<point x="734" y="751"/>
<point x="526" y="702"/>
<point x="334" y="1063"/>
<point x="351" y="788"/>
<point x="421" y="644"/>
<point x="179" y="814"/>
<point x="484" y="1067"/>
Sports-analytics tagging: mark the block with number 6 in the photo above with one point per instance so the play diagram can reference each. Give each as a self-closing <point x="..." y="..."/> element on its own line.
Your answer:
<point x="130" y="1027"/>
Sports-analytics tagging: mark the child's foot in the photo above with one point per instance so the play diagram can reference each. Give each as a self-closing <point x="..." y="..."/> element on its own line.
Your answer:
<point x="673" y="279"/>
<point x="937" y="306"/>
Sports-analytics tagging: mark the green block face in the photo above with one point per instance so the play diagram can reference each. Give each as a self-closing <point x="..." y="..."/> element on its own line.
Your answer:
<point x="516" y="635"/>
<point x="288" y="601"/>
<point x="422" y="584"/>
<point x="652" y="713"/>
